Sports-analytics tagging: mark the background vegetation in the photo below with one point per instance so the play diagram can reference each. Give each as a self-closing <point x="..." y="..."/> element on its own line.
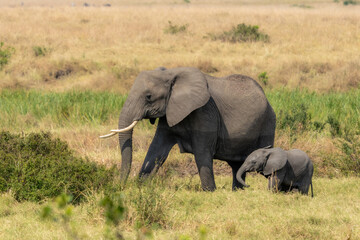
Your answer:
<point x="66" y="69"/>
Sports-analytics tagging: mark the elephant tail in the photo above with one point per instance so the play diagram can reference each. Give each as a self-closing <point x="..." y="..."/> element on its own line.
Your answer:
<point x="312" y="193"/>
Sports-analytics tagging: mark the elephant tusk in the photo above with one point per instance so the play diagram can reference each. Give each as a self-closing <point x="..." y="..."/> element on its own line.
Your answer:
<point x="125" y="129"/>
<point x="115" y="131"/>
<point x="108" y="135"/>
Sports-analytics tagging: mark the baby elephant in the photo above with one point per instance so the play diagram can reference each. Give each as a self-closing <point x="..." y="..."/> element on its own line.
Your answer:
<point x="286" y="170"/>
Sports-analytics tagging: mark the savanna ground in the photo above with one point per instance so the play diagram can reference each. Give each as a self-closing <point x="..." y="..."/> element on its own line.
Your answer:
<point x="71" y="67"/>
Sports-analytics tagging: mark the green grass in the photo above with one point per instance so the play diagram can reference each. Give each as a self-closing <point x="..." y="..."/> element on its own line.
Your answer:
<point x="29" y="107"/>
<point x="334" y="213"/>
<point x="19" y="108"/>
<point x="344" y="108"/>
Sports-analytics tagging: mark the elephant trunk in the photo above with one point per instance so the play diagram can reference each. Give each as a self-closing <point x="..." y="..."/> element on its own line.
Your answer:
<point x="127" y="120"/>
<point x="125" y="141"/>
<point x="239" y="173"/>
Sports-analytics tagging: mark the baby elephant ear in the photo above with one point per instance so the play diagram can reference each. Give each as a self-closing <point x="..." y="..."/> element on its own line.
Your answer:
<point x="276" y="161"/>
<point x="189" y="92"/>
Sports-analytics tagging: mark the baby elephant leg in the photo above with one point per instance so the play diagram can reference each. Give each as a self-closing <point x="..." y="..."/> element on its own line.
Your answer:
<point x="275" y="181"/>
<point x="304" y="186"/>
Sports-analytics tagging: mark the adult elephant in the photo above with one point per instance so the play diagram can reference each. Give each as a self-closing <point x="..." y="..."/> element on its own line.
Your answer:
<point x="212" y="118"/>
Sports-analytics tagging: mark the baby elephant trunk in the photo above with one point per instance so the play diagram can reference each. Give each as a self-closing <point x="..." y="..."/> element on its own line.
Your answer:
<point x="239" y="173"/>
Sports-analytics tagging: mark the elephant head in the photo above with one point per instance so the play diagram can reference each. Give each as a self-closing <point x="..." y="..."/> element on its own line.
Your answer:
<point x="171" y="93"/>
<point x="263" y="160"/>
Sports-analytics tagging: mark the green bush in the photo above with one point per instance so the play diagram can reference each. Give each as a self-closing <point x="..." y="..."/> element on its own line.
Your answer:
<point x="264" y="78"/>
<point x="5" y="54"/>
<point x="174" y="29"/>
<point x="347" y="161"/>
<point x="40" y="51"/>
<point x="297" y="119"/>
<point x="241" y="33"/>
<point x="350" y="2"/>
<point x="36" y="166"/>
<point x="335" y="128"/>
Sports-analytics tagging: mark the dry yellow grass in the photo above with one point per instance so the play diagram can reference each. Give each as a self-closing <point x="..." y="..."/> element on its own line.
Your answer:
<point x="104" y="48"/>
<point x="256" y="213"/>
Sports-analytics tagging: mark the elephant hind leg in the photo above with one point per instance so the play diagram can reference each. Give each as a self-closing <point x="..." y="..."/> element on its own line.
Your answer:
<point x="304" y="184"/>
<point x="267" y="134"/>
<point x="304" y="187"/>
<point x="204" y="163"/>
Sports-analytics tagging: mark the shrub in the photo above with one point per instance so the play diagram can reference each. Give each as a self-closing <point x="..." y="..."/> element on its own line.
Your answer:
<point x="350" y="164"/>
<point x="348" y="160"/>
<point x="297" y="119"/>
<point x="241" y="33"/>
<point x="301" y="6"/>
<point x="36" y="167"/>
<point x="40" y="51"/>
<point x="149" y="203"/>
<point x="114" y="212"/>
<point x="5" y="54"/>
<point x="350" y="2"/>
<point x="174" y="29"/>
<point x="62" y="214"/>
<point x="264" y="78"/>
<point x="335" y="128"/>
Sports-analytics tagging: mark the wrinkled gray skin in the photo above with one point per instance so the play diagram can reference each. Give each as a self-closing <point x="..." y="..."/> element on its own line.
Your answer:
<point x="212" y="118"/>
<point x="286" y="170"/>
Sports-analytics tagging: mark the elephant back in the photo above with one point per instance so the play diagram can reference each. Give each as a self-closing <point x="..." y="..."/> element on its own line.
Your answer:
<point x="299" y="161"/>
<point x="242" y="103"/>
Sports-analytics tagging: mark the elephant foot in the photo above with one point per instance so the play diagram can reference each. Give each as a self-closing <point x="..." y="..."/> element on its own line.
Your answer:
<point x="237" y="188"/>
<point x="208" y="188"/>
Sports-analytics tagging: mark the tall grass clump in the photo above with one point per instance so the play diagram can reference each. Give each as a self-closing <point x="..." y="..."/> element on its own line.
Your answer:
<point x="241" y="33"/>
<point x="40" y="51"/>
<point x="36" y="166"/>
<point x="174" y="29"/>
<point x="264" y="78"/>
<point x="5" y="54"/>
<point x="149" y="202"/>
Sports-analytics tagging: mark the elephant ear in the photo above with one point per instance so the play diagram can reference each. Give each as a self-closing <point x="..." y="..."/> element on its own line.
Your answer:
<point x="277" y="159"/>
<point x="189" y="92"/>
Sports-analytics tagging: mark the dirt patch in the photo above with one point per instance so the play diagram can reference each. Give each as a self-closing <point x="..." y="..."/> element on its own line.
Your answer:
<point x="63" y="72"/>
<point x="187" y="167"/>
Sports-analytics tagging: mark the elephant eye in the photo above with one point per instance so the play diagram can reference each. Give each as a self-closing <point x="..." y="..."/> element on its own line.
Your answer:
<point x="148" y="97"/>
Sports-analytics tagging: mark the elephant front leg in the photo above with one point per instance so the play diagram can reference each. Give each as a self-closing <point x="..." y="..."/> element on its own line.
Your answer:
<point x="235" y="167"/>
<point x="158" y="152"/>
<point x="273" y="183"/>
